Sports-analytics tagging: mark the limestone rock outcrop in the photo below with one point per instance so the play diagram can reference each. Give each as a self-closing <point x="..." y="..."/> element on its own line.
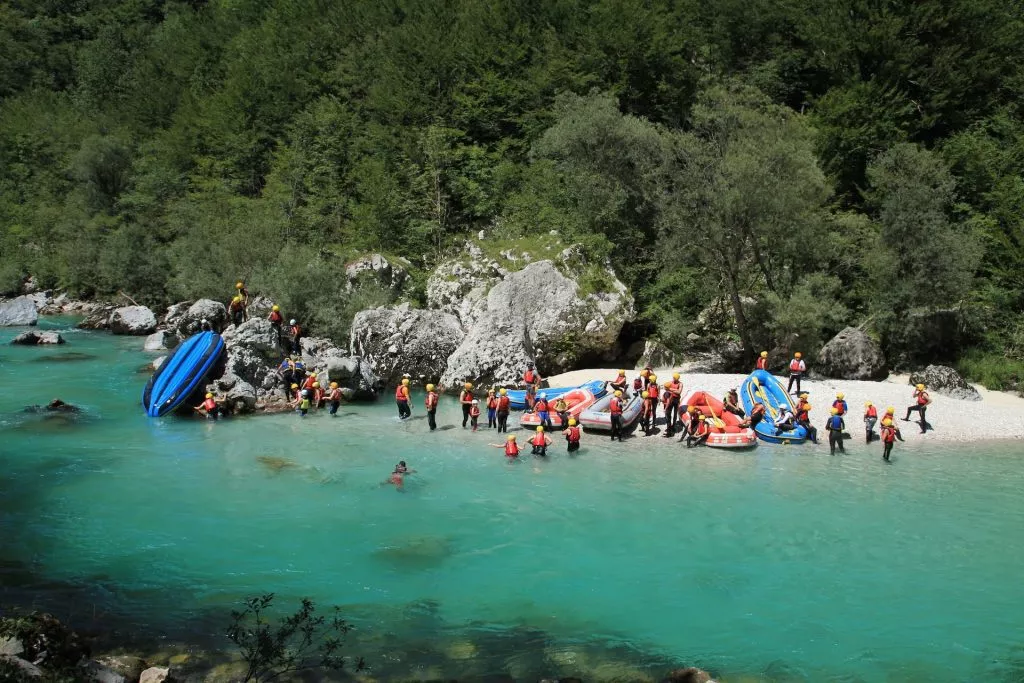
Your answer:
<point x="388" y="274"/>
<point x="190" y="321"/>
<point x="38" y="338"/>
<point x="852" y="354"/>
<point x="402" y="340"/>
<point x="944" y="380"/>
<point x="18" y="311"/>
<point x="133" y="320"/>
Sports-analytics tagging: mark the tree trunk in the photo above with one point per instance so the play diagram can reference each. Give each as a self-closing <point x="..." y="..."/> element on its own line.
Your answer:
<point x="731" y="269"/>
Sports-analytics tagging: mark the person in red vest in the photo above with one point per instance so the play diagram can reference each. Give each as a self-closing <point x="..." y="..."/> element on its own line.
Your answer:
<point x="510" y="446"/>
<point x="651" y="407"/>
<point x="803" y="418"/>
<point x="731" y="404"/>
<point x="762" y="361"/>
<point x="572" y="436"/>
<point x="674" y="396"/>
<point x="504" y="405"/>
<point x="797" y="368"/>
<point x="466" y="399"/>
<point x="318" y="396"/>
<point x="309" y="381"/>
<point x="540" y="443"/>
<point x="531" y="378"/>
<point x="645" y="412"/>
<point x="620" y="383"/>
<point x="870" y="419"/>
<point x="698" y="436"/>
<point x="402" y="399"/>
<point x="840" y="404"/>
<point x="276" y="321"/>
<point x="295" y="330"/>
<point x="492" y="409"/>
<point x="615" y="412"/>
<point x="208" y="407"/>
<point x="334" y="398"/>
<point x="431" y="405"/>
<point x="474" y="413"/>
<point x="921" y="401"/>
<point x="889" y="435"/>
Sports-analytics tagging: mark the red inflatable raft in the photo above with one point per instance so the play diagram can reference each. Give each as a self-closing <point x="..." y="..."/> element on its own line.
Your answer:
<point x="725" y="427"/>
<point x="578" y="400"/>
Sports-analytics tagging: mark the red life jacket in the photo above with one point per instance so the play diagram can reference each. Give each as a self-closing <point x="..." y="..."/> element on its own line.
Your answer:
<point x="802" y="415"/>
<point x="762" y="363"/>
<point x="796" y="365"/>
<point x="572" y="434"/>
<point x="541" y="440"/>
<point x="431" y="400"/>
<point x="335" y="395"/>
<point x="615" y="407"/>
<point x="529" y="376"/>
<point x="466" y="397"/>
<point x="838" y="405"/>
<point x="922" y="398"/>
<point x="888" y="434"/>
<point x="541" y="405"/>
<point x="401" y="393"/>
<point x="275" y="317"/>
<point x="296" y="331"/>
<point x="209" y="404"/>
<point x="871" y="412"/>
<point x="675" y="387"/>
<point x="474" y="411"/>
<point x="492" y="403"/>
<point x="638" y="384"/>
<point x="308" y="384"/>
<point x="503" y="404"/>
<point x="702" y="428"/>
<point x="511" y="449"/>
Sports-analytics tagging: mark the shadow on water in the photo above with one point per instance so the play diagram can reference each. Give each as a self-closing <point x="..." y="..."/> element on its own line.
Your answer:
<point x="65" y="357"/>
<point x="37" y="420"/>
<point x="416" y="554"/>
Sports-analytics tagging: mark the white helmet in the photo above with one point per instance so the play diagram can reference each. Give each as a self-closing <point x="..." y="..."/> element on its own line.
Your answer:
<point x="542" y="395"/>
<point x="292" y="321"/>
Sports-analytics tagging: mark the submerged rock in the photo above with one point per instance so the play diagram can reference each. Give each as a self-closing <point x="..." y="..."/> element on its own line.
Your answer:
<point x="69" y="357"/>
<point x="852" y="354"/>
<point x="690" y="674"/>
<point x="417" y="553"/>
<point x="405" y="340"/>
<point x="128" y="666"/>
<point x="133" y="320"/>
<point x="946" y="381"/>
<point x="38" y="338"/>
<point x="18" y="311"/>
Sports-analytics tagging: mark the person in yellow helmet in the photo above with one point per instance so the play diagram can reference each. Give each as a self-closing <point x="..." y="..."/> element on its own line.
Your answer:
<point x="835" y="427"/>
<point x="840" y="404"/>
<point x="510" y="446"/>
<point x="698" y="433"/>
<point x="615" y="414"/>
<point x="504" y="405"/>
<point x="620" y="383"/>
<point x="334" y="398"/>
<point x="797" y="368"/>
<point x="540" y="443"/>
<point x="889" y="433"/>
<point x="921" y="402"/>
<point x="532" y="380"/>
<point x="276" y="323"/>
<point x="208" y="407"/>
<point x="492" y="409"/>
<point x="870" y="419"/>
<point x="430" y="402"/>
<point x="762" y="361"/>
<point x="673" y="397"/>
<point x="240" y="290"/>
<point x="236" y="310"/>
<point x="572" y="436"/>
<point x="402" y="399"/>
<point x="466" y="399"/>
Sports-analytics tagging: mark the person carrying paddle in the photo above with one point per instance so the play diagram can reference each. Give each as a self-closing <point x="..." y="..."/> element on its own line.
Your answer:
<point x="797" y="368"/>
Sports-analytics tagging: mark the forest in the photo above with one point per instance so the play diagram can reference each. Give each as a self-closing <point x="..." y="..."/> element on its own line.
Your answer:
<point x="815" y="163"/>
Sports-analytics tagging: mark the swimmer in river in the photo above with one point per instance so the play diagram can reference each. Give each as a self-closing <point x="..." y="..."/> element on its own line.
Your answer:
<point x="510" y="446"/>
<point x="397" y="477"/>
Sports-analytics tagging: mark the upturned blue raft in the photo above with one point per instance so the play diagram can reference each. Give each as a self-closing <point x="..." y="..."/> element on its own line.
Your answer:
<point x="517" y="397"/>
<point x="181" y="373"/>
<point x="762" y="387"/>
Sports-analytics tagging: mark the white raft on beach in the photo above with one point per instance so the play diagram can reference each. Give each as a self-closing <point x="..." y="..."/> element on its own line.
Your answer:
<point x="598" y="418"/>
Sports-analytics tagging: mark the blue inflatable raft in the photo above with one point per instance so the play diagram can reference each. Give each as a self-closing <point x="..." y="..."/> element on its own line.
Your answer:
<point x="182" y="373"/>
<point x="762" y="387"/>
<point x="517" y="397"/>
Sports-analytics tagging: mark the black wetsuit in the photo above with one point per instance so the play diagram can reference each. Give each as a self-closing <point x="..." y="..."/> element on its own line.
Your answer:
<point x="835" y="427"/>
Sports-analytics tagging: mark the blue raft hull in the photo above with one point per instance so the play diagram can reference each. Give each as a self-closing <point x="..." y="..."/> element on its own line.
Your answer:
<point x="762" y="387"/>
<point x="517" y="397"/>
<point x="182" y="373"/>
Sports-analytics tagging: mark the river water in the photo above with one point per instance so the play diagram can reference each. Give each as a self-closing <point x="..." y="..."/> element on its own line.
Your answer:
<point x="622" y="561"/>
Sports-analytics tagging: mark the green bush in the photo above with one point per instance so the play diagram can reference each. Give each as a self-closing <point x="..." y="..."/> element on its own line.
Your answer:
<point x="992" y="370"/>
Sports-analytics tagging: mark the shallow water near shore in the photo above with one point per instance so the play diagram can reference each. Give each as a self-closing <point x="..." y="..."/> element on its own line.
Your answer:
<point x="778" y="564"/>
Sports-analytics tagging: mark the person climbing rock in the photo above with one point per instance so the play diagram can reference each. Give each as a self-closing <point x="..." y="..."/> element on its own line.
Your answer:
<point x="295" y="330"/>
<point x="762" y="361"/>
<point x="242" y="291"/>
<point x="699" y="435"/>
<point x="430" y="402"/>
<point x="334" y="398"/>
<point x="309" y="381"/>
<point x="276" y="321"/>
<point x="921" y="402"/>
<point x="797" y="368"/>
<point x="572" y="436"/>
<point x="615" y="414"/>
<point x="673" y="397"/>
<point x="466" y="399"/>
<point x="870" y="419"/>
<point x="504" y="406"/>
<point x="208" y="407"/>
<point x="402" y="399"/>
<point x="540" y="443"/>
<point x="731" y="404"/>
<point x="236" y="310"/>
<point x="562" y="410"/>
<point x="835" y="427"/>
<point x="531" y="378"/>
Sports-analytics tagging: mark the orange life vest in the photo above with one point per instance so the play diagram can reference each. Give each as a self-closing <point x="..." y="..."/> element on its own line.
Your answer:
<point x="871" y="412"/>
<point x="541" y="405"/>
<point x="529" y="376"/>
<point x="402" y="393"/>
<point x="762" y="363"/>
<point x="888" y="434"/>
<point x="209" y="404"/>
<point x="492" y="403"/>
<point x="615" y="407"/>
<point x="511" y="449"/>
<point x="431" y="400"/>
<point x="503" y="404"/>
<point x="466" y="397"/>
<point x="572" y="434"/>
<point x="922" y="398"/>
<point x="275" y="317"/>
<point x="335" y="395"/>
<point x="796" y="365"/>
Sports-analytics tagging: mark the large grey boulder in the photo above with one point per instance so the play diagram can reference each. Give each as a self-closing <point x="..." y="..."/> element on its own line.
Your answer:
<point x="155" y="674"/>
<point x="402" y="340"/>
<point x="133" y="320"/>
<point x="252" y="353"/>
<point x="378" y="268"/>
<point x="852" y="354"/>
<point x="156" y="341"/>
<point x="946" y="381"/>
<point x="98" y="673"/>
<point x="459" y="286"/>
<point x="25" y="668"/>
<point x="96" y="317"/>
<point x="174" y="313"/>
<point x="190" y="321"/>
<point x="354" y="375"/>
<point x="18" y="311"/>
<point x="36" y="338"/>
<point x="539" y="314"/>
<point x="125" y="665"/>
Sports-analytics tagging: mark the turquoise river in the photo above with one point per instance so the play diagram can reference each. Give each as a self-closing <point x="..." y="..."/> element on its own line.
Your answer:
<point x="627" y="560"/>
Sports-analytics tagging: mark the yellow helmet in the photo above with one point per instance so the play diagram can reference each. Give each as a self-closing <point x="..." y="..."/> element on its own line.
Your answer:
<point x="511" y="437"/>
<point x="797" y="355"/>
<point x="701" y="417"/>
<point x="867" y="404"/>
<point x="239" y="284"/>
<point x="887" y="422"/>
<point x="668" y="385"/>
<point x="835" y="411"/>
<point x="209" y="395"/>
<point x="803" y="394"/>
<point x="275" y="308"/>
<point x="334" y="385"/>
<point x="645" y="372"/>
<point x="295" y="386"/>
<point x="840" y="396"/>
<point x="430" y="387"/>
<point x="572" y="422"/>
<point x="622" y="373"/>
<point x="920" y="387"/>
<point x="618" y="394"/>
<point x="405" y="382"/>
<point x="653" y="377"/>
<point x="764" y="354"/>
<point x="691" y="409"/>
<point x="237" y="299"/>
<point x="890" y="410"/>
<point x="468" y="385"/>
<point x="316" y="385"/>
<point x="540" y="429"/>
<point x="313" y="375"/>
<point x="502" y="391"/>
<point x="645" y="395"/>
<point x="675" y="375"/>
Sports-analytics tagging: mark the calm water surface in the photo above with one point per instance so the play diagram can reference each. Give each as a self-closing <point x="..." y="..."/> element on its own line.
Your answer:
<point x="781" y="564"/>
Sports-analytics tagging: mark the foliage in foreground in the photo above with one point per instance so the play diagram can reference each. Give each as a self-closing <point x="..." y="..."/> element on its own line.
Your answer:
<point x="303" y="641"/>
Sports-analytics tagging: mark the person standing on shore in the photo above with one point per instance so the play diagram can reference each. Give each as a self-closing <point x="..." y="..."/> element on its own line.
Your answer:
<point x="797" y="368"/>
<point x="840" y="404"/>
<point x="762" y="361"/>
<point x="651" y="408"/>
<point x="674" y="391"/>
<point x="531" y="378"/>
<point x="615" y="414"/>
<point x="572" y="436"/>
<point x="835" y="427"/>
<point x="870" y="418"/>
<point x="803" y="418"/>
<point x="921" y="401"/>
<point x="466" y="399"/>
<point x="402" y="399"/>
<point x="504" y="405"/>
<point x="295" y="330"/>
<point x="430" y="402"/>
<point x="492" y="409"/>
<point x="889" y="434"/>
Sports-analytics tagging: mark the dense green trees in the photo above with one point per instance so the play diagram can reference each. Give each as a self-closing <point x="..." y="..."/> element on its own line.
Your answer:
<point x="814" y="163"/>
